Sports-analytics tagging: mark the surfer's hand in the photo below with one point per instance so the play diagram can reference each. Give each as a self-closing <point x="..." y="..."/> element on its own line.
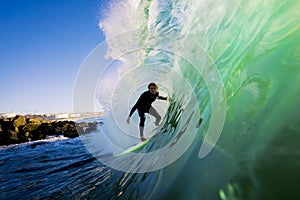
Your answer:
<point x="166" y="98"/>
<point x="128" y="120"/>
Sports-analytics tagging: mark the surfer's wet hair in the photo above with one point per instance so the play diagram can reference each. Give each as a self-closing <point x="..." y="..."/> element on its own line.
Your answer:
<point x="153" y="85"/>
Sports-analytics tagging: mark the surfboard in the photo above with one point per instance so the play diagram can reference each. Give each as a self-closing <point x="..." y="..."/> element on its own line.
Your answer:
<point x="133" y="148"/>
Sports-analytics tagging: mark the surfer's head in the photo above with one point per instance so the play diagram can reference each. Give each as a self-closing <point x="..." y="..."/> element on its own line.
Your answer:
<point x="152" y="87"/>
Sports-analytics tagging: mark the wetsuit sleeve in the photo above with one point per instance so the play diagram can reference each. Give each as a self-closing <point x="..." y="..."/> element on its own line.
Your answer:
<point x="142" y="100"/>
<point x="160" y="97"/>
<point x="133" y="109"/>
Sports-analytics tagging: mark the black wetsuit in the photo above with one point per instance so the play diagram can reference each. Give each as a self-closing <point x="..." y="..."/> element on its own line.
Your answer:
<point x="143" y="105"/>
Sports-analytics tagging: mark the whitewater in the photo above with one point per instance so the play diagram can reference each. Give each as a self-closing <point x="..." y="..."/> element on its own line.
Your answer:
<point x="232" y="63"/>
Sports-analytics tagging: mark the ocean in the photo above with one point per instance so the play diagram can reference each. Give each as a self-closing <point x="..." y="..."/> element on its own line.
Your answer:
<point x="232" y="63"/>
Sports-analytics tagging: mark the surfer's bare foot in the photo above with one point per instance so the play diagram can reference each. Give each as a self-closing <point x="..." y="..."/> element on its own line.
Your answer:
<point x="143" y="139"/>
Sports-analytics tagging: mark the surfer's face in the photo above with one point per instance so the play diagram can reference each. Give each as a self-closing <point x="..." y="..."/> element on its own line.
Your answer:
<point x="152" y="89"/>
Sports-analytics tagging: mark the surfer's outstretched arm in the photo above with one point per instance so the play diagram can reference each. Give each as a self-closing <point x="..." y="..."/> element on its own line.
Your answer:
<point x="162" y="98"/>
<point x="131" y="112"/>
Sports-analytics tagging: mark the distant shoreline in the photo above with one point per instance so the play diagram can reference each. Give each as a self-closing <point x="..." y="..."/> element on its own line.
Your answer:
<point x="55" y="116"/>
<point x="25" y="128"/>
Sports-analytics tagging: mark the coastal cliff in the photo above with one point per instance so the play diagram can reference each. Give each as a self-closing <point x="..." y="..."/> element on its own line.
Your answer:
<point x="20" y="129"/>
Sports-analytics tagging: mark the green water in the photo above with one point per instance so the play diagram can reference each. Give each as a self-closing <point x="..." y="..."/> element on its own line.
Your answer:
<point x="255" y="47"/>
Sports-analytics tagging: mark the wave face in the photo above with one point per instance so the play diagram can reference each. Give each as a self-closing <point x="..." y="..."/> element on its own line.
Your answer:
<point x="207" y="55"/>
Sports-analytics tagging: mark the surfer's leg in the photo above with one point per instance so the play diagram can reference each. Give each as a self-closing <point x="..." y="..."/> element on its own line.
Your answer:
<point x="155" y="114"/>
<point x="142" y="124"/>
<point x="142" y="133"/>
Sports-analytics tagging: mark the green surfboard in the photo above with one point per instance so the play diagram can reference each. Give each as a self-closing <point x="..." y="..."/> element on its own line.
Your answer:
<point x="134" y="148"/>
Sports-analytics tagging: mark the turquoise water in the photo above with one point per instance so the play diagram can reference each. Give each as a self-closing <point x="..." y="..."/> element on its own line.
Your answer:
<point x="239" y="59"/>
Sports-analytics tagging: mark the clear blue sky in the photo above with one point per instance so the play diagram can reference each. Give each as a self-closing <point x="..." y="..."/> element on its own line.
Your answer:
<point x="42" y="45"/>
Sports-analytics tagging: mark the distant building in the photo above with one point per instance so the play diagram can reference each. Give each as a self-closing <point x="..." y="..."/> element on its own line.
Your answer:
<point x="61" y="115"/>
<point x="74" y="115"/>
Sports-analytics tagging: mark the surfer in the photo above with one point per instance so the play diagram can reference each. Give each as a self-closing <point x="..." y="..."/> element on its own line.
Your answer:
<point x="143" y="105"/>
